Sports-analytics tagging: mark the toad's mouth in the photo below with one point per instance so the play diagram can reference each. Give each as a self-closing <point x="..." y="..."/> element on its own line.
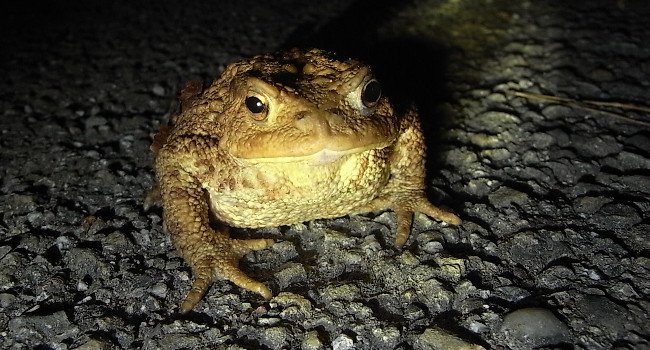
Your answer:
<point x="324" y="156"/>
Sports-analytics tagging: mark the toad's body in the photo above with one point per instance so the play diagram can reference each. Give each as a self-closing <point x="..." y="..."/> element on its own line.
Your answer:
<point x="281" y="139"/>
<point x="274" y="194"/>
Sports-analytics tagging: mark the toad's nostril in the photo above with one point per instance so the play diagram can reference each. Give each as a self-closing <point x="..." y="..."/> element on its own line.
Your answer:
<point x="335" y="111"/>
<point x="301" y="115"/>
<point x="312" y="122"/>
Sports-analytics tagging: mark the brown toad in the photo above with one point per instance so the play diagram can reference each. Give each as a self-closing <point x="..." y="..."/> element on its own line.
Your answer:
<point x="277" y="140"/>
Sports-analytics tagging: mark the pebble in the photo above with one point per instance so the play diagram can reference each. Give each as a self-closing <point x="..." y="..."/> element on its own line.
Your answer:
<point x="438" y="339"/>
<point x="385" y="338"/>
<point x="496" y="155"/>
<point x="311" y="341"/>
<point x="342" y="342"/>
<point x="617" y="215"/>
<point x="51" y="329"/>
<point x="627" y="161"/>
<point x="506" y="196"/>
<point x="540" y="140"/>
<point x="158" y="90"/>
<point x="159" y="290"/>
<point x="291" y="273"/>
<point x="595" y="147"/>
<point x="486" y="141"/>
<point x="493" y="122"/>
<point x="532" y="328"/>
<point x="557" y="112"/>
<point x="345" y="292"/>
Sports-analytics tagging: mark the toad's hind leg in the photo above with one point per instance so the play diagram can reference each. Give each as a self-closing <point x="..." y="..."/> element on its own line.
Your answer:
<point x="219" y="260"/>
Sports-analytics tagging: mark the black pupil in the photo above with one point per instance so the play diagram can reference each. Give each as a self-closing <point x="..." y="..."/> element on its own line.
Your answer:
<point x="371" y="92"/>
<point x="254" y="104"/>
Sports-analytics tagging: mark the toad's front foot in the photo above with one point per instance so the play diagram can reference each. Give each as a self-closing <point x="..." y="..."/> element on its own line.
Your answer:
<point x="221" y="261"/>
<point x="405" y="205"/>
<point x="405" y="210"/>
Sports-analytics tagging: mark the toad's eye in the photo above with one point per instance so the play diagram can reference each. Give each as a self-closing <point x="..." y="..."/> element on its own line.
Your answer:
<point x="255" y="105"/>
<point x="371" y="93"/>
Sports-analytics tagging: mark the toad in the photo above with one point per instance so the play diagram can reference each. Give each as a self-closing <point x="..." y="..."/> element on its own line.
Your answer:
<point x="281" y="139"/>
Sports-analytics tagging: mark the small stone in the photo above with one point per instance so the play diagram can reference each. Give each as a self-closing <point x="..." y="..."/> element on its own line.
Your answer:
<point x="158" y="90"/>
<point x="560" y="137"/>
<point x="95" y="121"/>
<point x="116" y="242"/>
<point x="602" y="313"/>
<point x="414" y="312"/>
<point x="511" y="293"/>
<point x="434" y="295"/>
<point x="542" y="140"/>
<point x="94" y="344"/>
<point x="623" y="291"/>
<point x="496" y="98"/>
<point x="589" y="205"/>
<point x="6" y="300"/>
<point x="627" y="161"/>
<point x="345" y="292"/>
<point x="486" y="141"/>
<point x="385" y="338"/>
<point x="460" y="158"/>
<point x="557" y="112"/>
<point x="506" y="196"/>
<point x="496" y="155"/>
<point x="285" y="299"/>
<point x="286" y="249"/>
<point x="338" y="239"/>
<point x="311" y="341"/>
<point x="268" y="321"/>
<point x="479" y="187"/>
<point x="83" y="261"/>
<point x="556" y="278"/>
<point x="595" y="147"/>
<point x="493" y="122"/>
<point x="407" y="258"/>
<point x="52" y="329"/>
<point x="437" y="339"/>
<point x="433" y="247"/>
<point x="616" y="215"/>
<point x="291" y="273"/>
<point x="452" y="269"/>
<point x="159" y="290"/>
<point x="342" y="342"/>
<point x="532" y="328"/>
<point x="639" y="141"/>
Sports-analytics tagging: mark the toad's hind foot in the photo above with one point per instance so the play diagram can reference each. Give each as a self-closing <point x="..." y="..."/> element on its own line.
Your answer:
<point x="222" y="264"/>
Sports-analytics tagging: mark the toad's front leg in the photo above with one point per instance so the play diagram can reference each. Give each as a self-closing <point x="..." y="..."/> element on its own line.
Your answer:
<point x="210" y="253"/>
<point x="404" y="192"/>
<point x="405" y="204"/>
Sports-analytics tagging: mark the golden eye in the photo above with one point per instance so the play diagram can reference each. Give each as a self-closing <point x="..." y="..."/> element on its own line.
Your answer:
<point x="255" y="105"/>
<point x="371" y="93"/>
